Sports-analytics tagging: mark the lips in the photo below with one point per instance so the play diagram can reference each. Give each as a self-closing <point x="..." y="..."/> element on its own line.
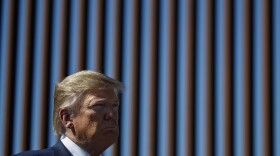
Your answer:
<point x="111" y="127"/>
<point x="111" y="130"/>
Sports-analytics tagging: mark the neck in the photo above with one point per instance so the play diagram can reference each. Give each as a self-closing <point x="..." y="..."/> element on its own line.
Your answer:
<point x="92" y="147"/>
<point x="92" y="151"/>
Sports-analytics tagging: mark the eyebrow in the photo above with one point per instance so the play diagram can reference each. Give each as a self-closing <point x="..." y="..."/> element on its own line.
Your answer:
<point x="102" y="101"/>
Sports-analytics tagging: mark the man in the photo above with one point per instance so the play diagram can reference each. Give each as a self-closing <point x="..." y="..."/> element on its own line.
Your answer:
<point x="85" y="115"/>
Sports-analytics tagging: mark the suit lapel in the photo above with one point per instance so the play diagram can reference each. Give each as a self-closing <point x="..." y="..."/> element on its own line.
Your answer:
<point x="60" y="149"/>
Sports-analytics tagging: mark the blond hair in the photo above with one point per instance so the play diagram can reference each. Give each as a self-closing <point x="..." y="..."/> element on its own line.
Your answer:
<point x="70" y="92"/>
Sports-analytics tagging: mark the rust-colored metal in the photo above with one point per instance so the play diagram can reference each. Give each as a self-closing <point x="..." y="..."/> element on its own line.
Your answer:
<point x="45" y="76"/>
<point x="64" y="32"/>
<point x="267" y="102"/>
<point x="117" y="41"/>
<point x="153" y="78"/>
<point x="64" y="35"/>
<point x="82" y="35"/>
<point x="100" y="36"/>
<point x="11" y="41"/>
<point x="135" y="75"/>
<point x="27" y="79"/>
<point x="209" y="102"/>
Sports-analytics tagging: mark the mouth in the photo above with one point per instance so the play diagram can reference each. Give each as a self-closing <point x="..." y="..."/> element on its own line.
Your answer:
<point x="111" y="130"/>
<point x="111" y="127"/>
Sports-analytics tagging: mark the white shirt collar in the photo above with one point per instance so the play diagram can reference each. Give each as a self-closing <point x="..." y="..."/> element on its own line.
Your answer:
<point x="74" y="149"/>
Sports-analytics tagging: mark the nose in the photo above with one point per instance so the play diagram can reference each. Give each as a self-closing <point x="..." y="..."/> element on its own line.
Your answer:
<point x="109" y="116"/>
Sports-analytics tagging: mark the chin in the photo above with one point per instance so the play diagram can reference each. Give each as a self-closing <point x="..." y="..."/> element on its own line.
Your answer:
<point x="113" y="133"/>
<point x="113" y="130"/>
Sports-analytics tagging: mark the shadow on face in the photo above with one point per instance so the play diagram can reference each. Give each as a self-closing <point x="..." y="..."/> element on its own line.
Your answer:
<point x="97" y="120"/>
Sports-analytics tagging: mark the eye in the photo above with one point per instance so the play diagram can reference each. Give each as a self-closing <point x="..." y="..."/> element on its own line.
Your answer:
<point x="97" y="106"/>
<point x="116" y="105"/>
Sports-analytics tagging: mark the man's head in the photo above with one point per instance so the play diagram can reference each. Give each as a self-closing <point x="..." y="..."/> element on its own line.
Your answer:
<point x="86" y="109"/>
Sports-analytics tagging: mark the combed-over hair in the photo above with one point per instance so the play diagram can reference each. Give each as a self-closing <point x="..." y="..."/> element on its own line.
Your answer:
<point x="70" y="92"/>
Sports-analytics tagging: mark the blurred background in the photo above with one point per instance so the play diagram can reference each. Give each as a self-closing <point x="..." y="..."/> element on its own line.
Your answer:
<point x="201" y="76"/>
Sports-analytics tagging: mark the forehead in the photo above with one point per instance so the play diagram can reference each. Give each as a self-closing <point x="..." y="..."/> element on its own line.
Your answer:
<point x="103" y="94"/>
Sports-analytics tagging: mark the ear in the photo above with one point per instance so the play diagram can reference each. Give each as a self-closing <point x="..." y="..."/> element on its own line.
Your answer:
<point x="66" y="118"/>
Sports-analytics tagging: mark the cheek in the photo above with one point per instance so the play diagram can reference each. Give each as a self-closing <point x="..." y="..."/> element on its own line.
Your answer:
<point x="87" y="127"/>
<point x="95" y="120"/>
<point x="96" y="117"/>
<point x="87" y="121"/>
<point x="117" y="115"/>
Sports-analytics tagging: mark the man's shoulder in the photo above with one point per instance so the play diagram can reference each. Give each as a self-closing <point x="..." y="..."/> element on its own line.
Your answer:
<point x="43" y="152"/>
<point x="57" y="149"/>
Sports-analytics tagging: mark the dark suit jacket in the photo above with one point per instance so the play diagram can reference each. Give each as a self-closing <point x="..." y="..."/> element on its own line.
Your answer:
<point x="57" y="150"/>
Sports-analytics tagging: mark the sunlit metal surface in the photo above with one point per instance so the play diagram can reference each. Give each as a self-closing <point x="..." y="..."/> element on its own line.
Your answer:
<point x="201" y="77"/>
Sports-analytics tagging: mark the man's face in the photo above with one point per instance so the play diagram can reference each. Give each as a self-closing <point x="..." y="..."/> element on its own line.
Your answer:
<point x="97" y="120"/>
